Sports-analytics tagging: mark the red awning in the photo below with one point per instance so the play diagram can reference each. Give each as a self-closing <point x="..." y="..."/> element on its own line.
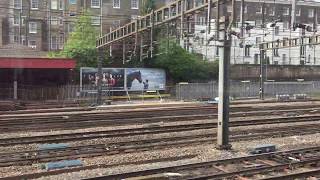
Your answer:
<point x="37" y="63"/>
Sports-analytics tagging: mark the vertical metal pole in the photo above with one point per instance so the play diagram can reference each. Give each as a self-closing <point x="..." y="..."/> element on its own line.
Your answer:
<point x="224" y="70"/>
<point x="101" y="17"/>
<point x="20" y="26"/>
<point x="208" y="27"/>
<point x="181" y="23"/>
<point x="262" y="59"/>
<point x="151" y="34"/>
<point x="293" y="13"/>
<point x="100" y="59"/>
<point x="123" y="52"/>
<point x="242" y="29"/>
<point x="141" y="48"/>
<point x="168" y="36"/>
<point x="15" y="85"/>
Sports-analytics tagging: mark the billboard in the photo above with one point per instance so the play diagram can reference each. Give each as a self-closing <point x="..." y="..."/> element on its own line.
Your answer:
<point x="112" y="79"/>
<point x="145" y="79"/>
<point x="123" y="79"/>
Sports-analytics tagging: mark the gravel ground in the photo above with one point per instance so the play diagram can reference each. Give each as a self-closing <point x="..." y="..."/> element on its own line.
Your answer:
<point x="205" y="153"/>
<point x="30" y="147"/>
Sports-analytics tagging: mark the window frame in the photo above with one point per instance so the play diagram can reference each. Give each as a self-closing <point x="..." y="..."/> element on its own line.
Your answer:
<point x="16" y="23"/>
<point x="33" y="3"/>
<point x="14" y="4"/>
<point x="95" y="20"/>
<point x="95" y="6"/>
<point x="57" y="4"/>
<point x="32" y="46"/>
<point x="35" y="30"/>
<point x="309" y="10"/>
<point x="286" y="11"/>
<point x="116" y="7"/>
<point x="137" y="4"/>
<point x="61" y="4"/>
<point x="54" y="19"/>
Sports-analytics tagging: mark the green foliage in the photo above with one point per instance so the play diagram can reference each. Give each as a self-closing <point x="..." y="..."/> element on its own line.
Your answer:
<point x="147" y="6"/>
<point x="184" y="66"/>
<point x="81" y="44"/>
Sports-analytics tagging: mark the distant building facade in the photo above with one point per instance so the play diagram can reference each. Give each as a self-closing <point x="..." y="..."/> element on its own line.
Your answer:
<point x="246" y="50"/>
<point x="46" y="24"/>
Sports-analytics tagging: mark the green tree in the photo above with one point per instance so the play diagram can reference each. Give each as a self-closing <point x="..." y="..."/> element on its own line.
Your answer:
<point x="81" y="44"/>
<point x="147" y="6"/>
<point x="181" y="65"/>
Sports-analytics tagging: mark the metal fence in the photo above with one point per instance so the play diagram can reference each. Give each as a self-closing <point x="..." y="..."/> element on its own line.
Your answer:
<point x="191" y="91"/>
<point x="245" y="89"/>
<point x="66" y="93"/>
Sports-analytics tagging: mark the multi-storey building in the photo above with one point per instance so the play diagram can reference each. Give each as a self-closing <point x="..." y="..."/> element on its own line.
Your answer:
<point x="46" y="24"/>
<point x="260" y="15"/>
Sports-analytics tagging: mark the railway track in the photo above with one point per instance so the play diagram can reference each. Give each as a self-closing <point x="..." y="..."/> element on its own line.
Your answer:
<point x="87" y="151"/>
<point x="152" y="129"/>
<point x="120" y="118"/>
<point x="237" y="168"/>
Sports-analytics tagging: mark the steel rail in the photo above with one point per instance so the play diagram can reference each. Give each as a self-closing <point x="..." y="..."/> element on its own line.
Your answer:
<point x="29" y="157"/>
<point x="219" y="173"/>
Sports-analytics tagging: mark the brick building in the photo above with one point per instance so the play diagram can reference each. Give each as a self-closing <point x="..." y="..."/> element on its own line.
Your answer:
<point x="46" y="24"/>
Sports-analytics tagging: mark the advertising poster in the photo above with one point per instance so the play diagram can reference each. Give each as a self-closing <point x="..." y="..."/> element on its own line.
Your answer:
<point x="121" y="79"/>
<point x="139" y="79"/>
<point x="112" y="79"/>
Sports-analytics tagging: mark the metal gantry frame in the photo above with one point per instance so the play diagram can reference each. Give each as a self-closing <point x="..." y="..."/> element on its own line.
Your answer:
<point x="281" y="44"/>
<point x="179" y="10"/>
<point x="166" y="14"/>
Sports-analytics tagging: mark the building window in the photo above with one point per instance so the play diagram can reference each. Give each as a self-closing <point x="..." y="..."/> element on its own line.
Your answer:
<point x="16" y="38"/>
<point x="259" y="22"/>
<point x="32" y="44"/>
<point x="16" y="20"/>
<point x="260" y="10"/>
<point x="298" y="12"/>
<point x="32" y="27"/>
<point x="276" y="30"/>
<point x="60" y="21"/>
<point x="54" y="43"/>
<point x="311" y="13"/>
<point x="247" y="51"/>
<point x="95" y="20"/>
<point x="284" y="58"/>
<point x="95" y="3"/>
<point x="54" y="20"/>
<point x="286" y="11"/>
<point x="258" y="40"/>
<point x="116" y="3"/>
<point x="272" y="11"/>
<point x="72" y="1"/>
<point x="54" y="4"/>
<point x="17" y="4"/>
<point x="134" y="4"/>
<point x="34" y="4"/>
<point x="61" y="41"/>
<point x="61" y="4"/>
<point x="276" y="52"/>
<point x="246" y="9"/>
<point x="302" y="51"/>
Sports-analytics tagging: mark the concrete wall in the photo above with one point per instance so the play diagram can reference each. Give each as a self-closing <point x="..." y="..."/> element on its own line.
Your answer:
<point x="275" y="72"/>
